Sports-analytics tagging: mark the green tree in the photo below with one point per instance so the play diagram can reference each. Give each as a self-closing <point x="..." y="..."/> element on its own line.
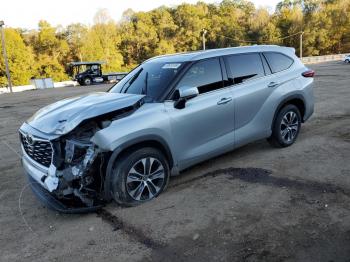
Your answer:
<point x="47" y="66"/>
<point x="20" y="59"/>
<point x="190" y="20"/>
<point x="289" y="20"/>
<point x="165" y="27"/>
<point x="101" y="43"/>
<point x="48" y="42"/>
<point x="51" y="52"/>
<point x="138" y="38"/>
<point x="262" y="28"/>
<point x="229" y="23"/>
<point x="75" y="35"/>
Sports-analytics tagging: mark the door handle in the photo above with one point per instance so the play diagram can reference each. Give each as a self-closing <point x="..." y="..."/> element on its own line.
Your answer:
<point x="224" y="100"/>
<point x="272" y="84"/>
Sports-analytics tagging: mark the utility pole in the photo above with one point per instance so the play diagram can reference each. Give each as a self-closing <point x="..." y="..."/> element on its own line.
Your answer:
<point x="5" y="55"/>
<point x="204" y="32"/>
<point x="301" y="45"/>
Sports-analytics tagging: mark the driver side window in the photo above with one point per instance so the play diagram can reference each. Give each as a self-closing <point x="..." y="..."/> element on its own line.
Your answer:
<point x="205" y="75"/>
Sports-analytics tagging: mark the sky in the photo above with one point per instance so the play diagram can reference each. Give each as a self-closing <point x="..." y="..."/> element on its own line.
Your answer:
<point x="27" y="13"/>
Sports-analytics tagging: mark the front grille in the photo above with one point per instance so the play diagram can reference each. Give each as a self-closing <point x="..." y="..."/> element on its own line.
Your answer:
<point x="38" y="150"/>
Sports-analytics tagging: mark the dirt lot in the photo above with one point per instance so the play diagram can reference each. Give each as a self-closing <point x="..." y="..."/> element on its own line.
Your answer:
<point x="254" y="204"/>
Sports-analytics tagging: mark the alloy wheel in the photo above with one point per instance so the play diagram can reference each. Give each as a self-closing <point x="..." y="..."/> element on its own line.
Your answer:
<point x="145" y="179"/>
<point x="289" y="126"/>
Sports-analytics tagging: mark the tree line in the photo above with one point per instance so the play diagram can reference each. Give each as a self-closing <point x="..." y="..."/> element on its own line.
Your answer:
<point x="46" y="51"/>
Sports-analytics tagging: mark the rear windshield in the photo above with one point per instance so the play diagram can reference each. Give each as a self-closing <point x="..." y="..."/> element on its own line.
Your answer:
<point x="150" y="79"/>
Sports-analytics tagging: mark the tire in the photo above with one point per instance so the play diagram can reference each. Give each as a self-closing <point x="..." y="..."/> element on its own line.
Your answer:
<point x="87" y="81"/>
<point x="129" y="178"/>
<point x="347" y="61"/>
<point x="286" y="127"/>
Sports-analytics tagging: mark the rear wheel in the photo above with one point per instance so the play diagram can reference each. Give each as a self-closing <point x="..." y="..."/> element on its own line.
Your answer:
<point x="286" y="127"/>
<point x="139" y="176"/>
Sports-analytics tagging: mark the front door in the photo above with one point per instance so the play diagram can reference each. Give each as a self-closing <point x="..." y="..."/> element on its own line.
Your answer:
<point x="204" y="127"/>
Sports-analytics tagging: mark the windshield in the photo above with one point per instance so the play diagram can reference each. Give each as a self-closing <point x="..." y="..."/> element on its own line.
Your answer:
<point x="150" y="79"/>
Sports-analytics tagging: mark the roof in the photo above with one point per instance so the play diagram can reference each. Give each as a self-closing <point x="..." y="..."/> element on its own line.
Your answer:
<point x="197" y="55"/>
<point x="87" y="63"/>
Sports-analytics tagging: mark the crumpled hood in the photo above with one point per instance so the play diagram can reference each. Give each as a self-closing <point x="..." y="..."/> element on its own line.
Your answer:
<point x="63" y="116"/>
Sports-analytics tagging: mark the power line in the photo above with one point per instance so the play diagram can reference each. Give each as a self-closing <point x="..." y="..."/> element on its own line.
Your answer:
<point x="300" y="32"/>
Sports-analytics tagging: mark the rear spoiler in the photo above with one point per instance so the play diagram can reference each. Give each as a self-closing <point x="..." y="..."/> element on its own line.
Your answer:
<point x="290" y="50"/>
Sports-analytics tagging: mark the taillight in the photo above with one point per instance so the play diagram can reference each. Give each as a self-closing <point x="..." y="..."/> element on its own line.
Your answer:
<point x="308" y="73"/>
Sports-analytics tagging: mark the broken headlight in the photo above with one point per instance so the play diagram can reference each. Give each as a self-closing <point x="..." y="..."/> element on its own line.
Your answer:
<point x="75" y="150"/>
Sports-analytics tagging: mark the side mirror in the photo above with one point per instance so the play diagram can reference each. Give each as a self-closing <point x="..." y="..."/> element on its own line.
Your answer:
<point x="185" y="93"/>
<point x="188" y="92"/>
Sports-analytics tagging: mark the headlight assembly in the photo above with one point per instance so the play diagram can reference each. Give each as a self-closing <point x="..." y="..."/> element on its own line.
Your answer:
<point x="75" y="151"/>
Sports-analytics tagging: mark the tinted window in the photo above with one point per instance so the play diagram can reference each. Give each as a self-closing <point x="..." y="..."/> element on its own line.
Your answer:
<point x="278" y="62"/>
<point x="205" y="75"/>
<point x="151" y="79"/>
<point x="244" y="67"/>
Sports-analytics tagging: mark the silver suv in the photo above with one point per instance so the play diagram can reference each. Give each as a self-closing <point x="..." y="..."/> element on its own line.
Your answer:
<point x="169" y="113"/>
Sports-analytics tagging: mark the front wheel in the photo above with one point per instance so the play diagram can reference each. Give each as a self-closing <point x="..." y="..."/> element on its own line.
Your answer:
<point x="139" y="176"/>
<point x="286" y="127"/>
<point x="347" y="61"/>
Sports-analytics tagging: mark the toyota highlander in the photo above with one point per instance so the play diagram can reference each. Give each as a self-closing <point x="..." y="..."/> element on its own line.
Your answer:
<point x="169" y="113"/>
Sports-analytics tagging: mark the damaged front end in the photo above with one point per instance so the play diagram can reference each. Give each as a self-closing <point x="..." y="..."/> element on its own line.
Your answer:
<point x="67" y="171"/>
<point x="78" y="168"/>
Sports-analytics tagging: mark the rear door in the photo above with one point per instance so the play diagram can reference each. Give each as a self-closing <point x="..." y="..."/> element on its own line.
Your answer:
<point x="205" y="126"/>
<point x="252" y="84"/>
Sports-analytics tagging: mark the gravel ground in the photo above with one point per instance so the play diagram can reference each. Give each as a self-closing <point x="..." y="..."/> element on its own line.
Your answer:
<point x="254" y="204"/>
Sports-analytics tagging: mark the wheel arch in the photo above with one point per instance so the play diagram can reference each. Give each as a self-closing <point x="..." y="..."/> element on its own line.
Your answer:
<point x="144" y="141"/>
<point x="296" y="100"/>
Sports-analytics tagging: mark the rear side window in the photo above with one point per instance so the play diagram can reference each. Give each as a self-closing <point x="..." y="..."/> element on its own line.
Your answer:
<point x="244" y="67"/>
<point x="278" y="62"/>
<point x="205" y="75"/>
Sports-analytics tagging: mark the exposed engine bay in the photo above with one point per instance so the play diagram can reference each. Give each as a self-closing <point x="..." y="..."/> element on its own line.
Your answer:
<point x="78" y="165"/>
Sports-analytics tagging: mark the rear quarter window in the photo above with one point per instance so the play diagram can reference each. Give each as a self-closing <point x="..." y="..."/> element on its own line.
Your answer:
<point x="278" y="62"/>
